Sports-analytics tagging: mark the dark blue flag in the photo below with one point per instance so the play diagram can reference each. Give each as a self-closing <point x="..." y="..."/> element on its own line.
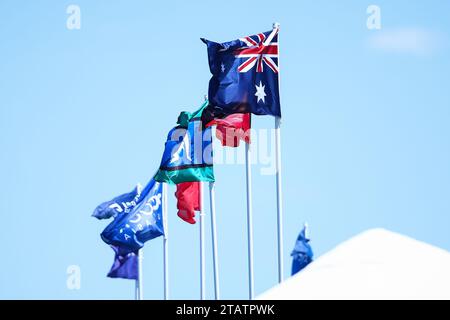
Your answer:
<point x="125" y="265"/>
<point x="143" y="222"/>
<point x="244" y="76"/>
<point x="302" y="254"/>
<point x="120" y="204"/>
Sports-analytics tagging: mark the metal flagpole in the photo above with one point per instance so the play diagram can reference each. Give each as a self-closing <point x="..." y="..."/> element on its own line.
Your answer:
<point x="136" y="282"/>
<point x="276" y="25"/>
<point x="166" y="243"/>
<point x="139" y="294"/>
<point x="248" y="172"/>
<point x="202" y="246"/>
<point x="306" y="227"/>
<point x="212" y="202"/>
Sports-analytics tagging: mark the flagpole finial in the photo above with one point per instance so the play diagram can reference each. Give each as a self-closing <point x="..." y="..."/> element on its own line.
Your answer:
<point x="306" y="227"/>
<point x="276" y="25"/>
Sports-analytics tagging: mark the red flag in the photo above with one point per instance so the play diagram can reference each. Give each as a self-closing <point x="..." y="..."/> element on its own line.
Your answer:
<point x="188" y="200"/>
<point x="232" y="129"/>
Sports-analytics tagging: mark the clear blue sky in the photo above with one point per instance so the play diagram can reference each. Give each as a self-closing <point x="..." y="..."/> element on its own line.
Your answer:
<point x="84" y="114"/>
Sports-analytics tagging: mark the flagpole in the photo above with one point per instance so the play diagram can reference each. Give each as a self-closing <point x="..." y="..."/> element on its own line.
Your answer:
<point x="248" y="172"/>
<point x="276" y="25"/>
<point x="165" y="243"/>
<point x="212" y="202"/>
<point x="202" y="246"/>
<point x="139" y="293"/>
<point x="306" y="227"/>
<point x="136" y="284"/>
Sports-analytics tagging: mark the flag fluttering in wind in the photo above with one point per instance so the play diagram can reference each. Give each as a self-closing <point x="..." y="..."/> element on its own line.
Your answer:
<point x="244" y="76"/>
<point x="302" y="254"/>
<point x="143" y="222"/>
<point x="120" y="204"/>
<point x="188" y="200"/>
<point x="138" y="217"/>
<point x="188" y="153"/>
<point x="232" y="129"/>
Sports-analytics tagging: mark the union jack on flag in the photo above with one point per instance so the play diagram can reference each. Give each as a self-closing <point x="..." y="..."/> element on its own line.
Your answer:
<point x="259" y="52"/>
<point x="245" y="76"/>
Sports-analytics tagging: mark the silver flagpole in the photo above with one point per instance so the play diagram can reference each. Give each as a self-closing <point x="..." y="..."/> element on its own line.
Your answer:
<point x="276" y="25"/>
<point x="166" y="243"/>
<point x="136" y="284"/>
<point x="248" y="172"/>
<point x="212" y="202"/>
<point x="139" y="293"/>
<point x="202" y="246"/>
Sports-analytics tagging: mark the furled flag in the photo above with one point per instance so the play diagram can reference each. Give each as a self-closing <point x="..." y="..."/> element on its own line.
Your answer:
<point x="244" y="76"/>
<point x="120" y="204"/>
<point x="188" y="153"/>
<point x="129" y="231"/>
<point x="188" y="200"/>
<point x="302" y="254"/>
<point x="232" y="129"/>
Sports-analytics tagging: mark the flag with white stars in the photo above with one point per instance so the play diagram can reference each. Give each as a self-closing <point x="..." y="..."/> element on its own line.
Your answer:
<point x="245" y="76"/>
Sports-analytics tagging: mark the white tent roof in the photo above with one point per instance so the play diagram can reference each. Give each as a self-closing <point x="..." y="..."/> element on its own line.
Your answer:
<point x="376" y="264"/>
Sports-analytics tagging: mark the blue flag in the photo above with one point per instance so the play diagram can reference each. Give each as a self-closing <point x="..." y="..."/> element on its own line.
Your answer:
<point x="120" y="204"/>
<point x="129" y="231"/>
<point x="125" y="265"/>
<point x="302" y="254"/>
<point x="188" y="153"/>
<point x="244" y="76"/>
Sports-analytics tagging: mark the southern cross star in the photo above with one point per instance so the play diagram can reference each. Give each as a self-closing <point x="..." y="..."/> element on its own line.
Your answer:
<point x="260" y="92"/>
<point x="222" y="67"/>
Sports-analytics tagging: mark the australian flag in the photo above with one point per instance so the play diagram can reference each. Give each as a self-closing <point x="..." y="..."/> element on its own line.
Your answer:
<point x="244" y="76"/>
